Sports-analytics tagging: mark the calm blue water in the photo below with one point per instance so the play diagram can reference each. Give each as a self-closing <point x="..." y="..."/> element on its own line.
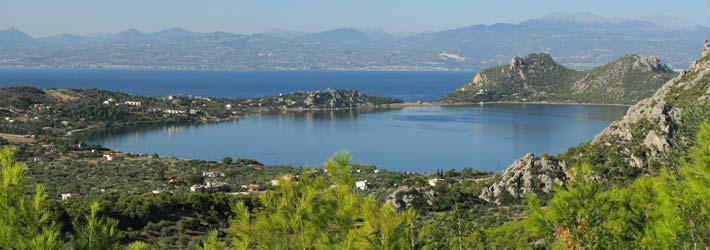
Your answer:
<point x="409" y="86"/>
<point x="420" y="139"/>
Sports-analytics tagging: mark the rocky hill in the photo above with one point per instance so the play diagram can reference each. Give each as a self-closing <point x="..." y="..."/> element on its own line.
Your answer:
<point x="654" y="133"/>
<point x="538" y="78"/>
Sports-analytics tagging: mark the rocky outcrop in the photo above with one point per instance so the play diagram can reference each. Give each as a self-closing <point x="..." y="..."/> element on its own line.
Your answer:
<point x="652" y="123"/>
<point x="407" y="197"/>
<point x="326" y="99"/>
<point x="537" y="77"/>
<point x="643" y="136"/>
<point x="527" y="175"/>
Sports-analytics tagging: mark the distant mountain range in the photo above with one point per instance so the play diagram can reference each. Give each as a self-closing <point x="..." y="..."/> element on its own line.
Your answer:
<point x="578" y="41"/>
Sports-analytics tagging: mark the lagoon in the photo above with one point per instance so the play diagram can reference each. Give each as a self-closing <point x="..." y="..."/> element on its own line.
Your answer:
<point x="421" y="139"/>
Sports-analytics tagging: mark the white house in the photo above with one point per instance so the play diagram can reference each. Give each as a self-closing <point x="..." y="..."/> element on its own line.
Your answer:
<point x="66" y="196"/>
<point x="228" y="106"/>
<point x="362" y="185"/>
<point x="113" y="156"/>
<point x="110" y="101"/>
<point x="197" y="188"/>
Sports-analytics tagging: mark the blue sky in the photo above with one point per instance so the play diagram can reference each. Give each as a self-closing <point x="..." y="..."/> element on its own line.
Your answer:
<point x="47" y="17"/>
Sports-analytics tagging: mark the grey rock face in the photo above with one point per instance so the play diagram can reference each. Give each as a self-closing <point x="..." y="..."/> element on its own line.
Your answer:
<point x="527" y="175"/>
<point x="336" y="99"/>
<point x="405" y="197"/>
<point x="655" y="111"/>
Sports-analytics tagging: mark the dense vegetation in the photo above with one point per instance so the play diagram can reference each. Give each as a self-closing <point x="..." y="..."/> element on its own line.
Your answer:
<point x="28" y="222"/>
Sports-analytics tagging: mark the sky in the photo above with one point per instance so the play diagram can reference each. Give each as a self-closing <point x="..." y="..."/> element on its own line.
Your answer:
<point x="90" y="17"/>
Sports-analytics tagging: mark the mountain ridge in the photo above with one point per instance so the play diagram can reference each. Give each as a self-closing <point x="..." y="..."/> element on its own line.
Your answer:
<point x="577" y="45"/>
<point x="537" y="77"/>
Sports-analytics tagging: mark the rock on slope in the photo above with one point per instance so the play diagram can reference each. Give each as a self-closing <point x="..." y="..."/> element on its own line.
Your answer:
<point x="628" y="147"/>
<point x="537" y="77"/>
<point x="524" y="176"/>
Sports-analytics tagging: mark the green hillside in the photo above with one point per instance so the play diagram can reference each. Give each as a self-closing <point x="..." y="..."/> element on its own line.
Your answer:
<point x="538" y="78"/>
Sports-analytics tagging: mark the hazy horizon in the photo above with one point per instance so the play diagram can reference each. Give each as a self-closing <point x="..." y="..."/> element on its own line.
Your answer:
<point x="399" y="17"/>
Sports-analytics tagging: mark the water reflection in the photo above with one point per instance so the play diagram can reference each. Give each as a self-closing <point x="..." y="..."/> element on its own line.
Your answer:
<point x="413" y="138"/>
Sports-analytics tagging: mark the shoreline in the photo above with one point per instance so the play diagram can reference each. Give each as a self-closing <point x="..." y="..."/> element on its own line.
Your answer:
<point x="98" y="127"/>
<point x="423" y="104"/>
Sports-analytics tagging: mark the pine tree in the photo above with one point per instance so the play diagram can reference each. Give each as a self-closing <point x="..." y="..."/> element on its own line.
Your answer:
<point x="97" y="232"/>
<point x="24" y="223"/>
<point x="212" y="242"/>
<point x="320" y="212"/>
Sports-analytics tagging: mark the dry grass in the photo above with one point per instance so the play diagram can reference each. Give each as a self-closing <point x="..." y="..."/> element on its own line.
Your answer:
<point x="17" y="138"/>
<point x="61" y="94"/>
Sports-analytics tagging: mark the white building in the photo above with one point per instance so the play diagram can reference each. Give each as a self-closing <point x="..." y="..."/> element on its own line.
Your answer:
<point x="362" y="185"/>
<point x="66" y="196"/>
<point x="134" y="104"/>
<point x="113" y="156"/>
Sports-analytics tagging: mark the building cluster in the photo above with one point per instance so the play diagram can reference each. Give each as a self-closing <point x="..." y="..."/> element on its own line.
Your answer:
<point x="174" y="111"/>
<point x="208" y="187"/>
<point x="41" y="107"/>
<point x="134" y="104"/>
<point x="112" y="101"/>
